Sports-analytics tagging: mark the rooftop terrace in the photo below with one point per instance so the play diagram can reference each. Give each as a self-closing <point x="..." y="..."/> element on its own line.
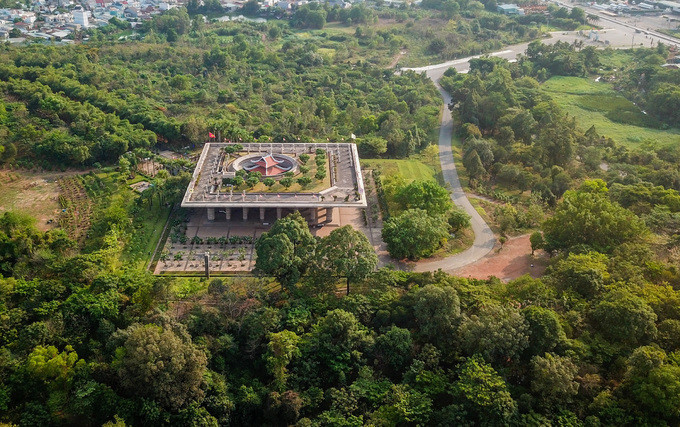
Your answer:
<point x="207" y="188"/>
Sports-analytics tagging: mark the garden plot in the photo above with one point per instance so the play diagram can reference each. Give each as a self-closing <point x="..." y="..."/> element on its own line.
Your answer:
<point x="230" y="250"/>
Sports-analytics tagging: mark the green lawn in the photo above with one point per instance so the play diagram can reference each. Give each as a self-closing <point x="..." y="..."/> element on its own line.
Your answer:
<point x="148" y="225"/>
<point x="410" y="169"/>
<point x="594" y="103"/>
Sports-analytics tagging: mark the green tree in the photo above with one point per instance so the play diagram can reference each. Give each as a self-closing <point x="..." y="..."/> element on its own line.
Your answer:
<point x="484" y="393"/>
<point x="156" y="363"/>
<point x="334" y="348"/>
<point x="371" y="146"/>
<point x="53" y="367"/>
<point x="286" y="182"/>
<point x="669" y="334"/>
<point x="591" y="219"/>
<point x="536" y="240"/>
<point x="553" y="378"/>
<point x="473" y="166"/>
<point x="586" y="274"/>
<point x="624" y="318"/>
<point x="282" y="348"/>
<point x="304" y="181"/>
<point x="427" y="195"/>
<point x="250" y="8"/>
<point x="659" y="392"/>
<point x="458" y="219"/>
<point x="545" y="331"/>
<point x="436" y="310"/>
<point x="500" y="334"/>
<point x="286" y="250"/>
<point x="404" y="406"/>
<point x="644" y="359"/>
<point x="414" y="234"/>
<point x="345" y="252"/>
<point x="394" y="349"/>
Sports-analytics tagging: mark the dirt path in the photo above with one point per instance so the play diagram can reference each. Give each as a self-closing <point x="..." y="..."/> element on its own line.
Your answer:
<point x="396" y="59"/>
<point x="509" y="263"/>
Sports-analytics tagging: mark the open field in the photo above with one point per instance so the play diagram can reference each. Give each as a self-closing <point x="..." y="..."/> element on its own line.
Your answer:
<point x="410" y="169"/>
<point x="508" y="263"/>
<point x="594" y="103"/>
<point x="32" y="193"/>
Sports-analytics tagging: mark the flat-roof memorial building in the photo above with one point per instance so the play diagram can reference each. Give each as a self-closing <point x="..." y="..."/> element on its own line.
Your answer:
<point x="260" y="179"/>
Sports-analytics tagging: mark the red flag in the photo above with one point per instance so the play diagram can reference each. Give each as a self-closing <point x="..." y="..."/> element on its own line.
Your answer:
<point x="211" y="135"/>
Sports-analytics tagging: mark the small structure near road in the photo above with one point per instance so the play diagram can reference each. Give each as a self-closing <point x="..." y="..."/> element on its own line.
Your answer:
<point x="510" y="9"/>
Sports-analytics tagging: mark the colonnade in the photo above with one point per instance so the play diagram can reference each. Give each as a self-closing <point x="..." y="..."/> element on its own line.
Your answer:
<point x="311" y="213"/>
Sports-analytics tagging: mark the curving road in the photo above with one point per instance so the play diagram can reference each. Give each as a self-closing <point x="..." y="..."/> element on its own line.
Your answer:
<point x="484" y="238"/>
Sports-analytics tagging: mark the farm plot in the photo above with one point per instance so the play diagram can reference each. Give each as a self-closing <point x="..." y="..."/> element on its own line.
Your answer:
<point x="76" y="208"/>
<point x="32" y="193"/>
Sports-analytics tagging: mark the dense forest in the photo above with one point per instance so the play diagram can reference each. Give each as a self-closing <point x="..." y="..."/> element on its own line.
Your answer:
<point x="177" y="77"/>
<point x="89" y="337"/>
<point x="86" y="340"/>
<point x="80" y="105"/>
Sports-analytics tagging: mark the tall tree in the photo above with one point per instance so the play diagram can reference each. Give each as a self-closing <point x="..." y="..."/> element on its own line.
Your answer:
<point x="154" y="362"/>
<point x="587" y="218"/>
<point x="427" y="195"/>
<point x="286" y="250"/>
<point x="345" y="252"/>
<point x="414" y="234"/>
<point x="485" y="393"/>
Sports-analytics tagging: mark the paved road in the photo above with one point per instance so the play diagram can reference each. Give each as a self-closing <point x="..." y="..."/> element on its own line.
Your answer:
<point x="484" y="238"/>
<point x="646" y="36"/>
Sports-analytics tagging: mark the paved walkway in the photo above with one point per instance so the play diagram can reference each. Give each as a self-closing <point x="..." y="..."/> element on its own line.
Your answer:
<point x="484" y="238"/>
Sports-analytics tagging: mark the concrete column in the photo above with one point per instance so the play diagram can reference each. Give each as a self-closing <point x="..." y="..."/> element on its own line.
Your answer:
<point x="206" y="262"/>
<point x="279" y="213"/>
<point x="314" y="217"/>
<point x="211" y="214"/>
<point x="245" y="214"/>
<point x="262" y="214"/>
<point x="329" y="214"/>
<point x="227" y="211"/>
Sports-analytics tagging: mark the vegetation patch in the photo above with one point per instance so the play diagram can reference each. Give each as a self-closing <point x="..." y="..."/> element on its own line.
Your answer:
<point x="597" y="104"/>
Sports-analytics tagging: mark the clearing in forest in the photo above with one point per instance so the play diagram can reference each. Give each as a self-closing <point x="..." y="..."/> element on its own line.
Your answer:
<point x="32" y="193"/>
<point x="614" y="116"/>
<point x="410" y="169"/>
<point x="512" y="261"/>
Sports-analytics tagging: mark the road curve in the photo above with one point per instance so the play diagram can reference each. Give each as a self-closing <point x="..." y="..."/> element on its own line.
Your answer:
<point x="484" y="238"/>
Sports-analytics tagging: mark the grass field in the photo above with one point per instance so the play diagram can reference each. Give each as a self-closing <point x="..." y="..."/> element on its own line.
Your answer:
<point x="594" y="103"/>
<point x="410" y="169"/>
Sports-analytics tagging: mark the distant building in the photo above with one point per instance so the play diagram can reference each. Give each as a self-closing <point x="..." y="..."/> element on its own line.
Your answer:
<point x="673" y="6"/>
<point x="510" y="9"/>
<point x="80" y="17"/>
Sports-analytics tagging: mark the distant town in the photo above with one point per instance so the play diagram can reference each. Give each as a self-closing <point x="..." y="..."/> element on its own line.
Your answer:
<point x="66" y="21"/>
<point x="61" y="20"/>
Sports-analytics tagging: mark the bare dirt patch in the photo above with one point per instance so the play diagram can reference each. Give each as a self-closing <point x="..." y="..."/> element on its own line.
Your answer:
<point x="510" y="262"/>
<point x="33" y="193"/>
